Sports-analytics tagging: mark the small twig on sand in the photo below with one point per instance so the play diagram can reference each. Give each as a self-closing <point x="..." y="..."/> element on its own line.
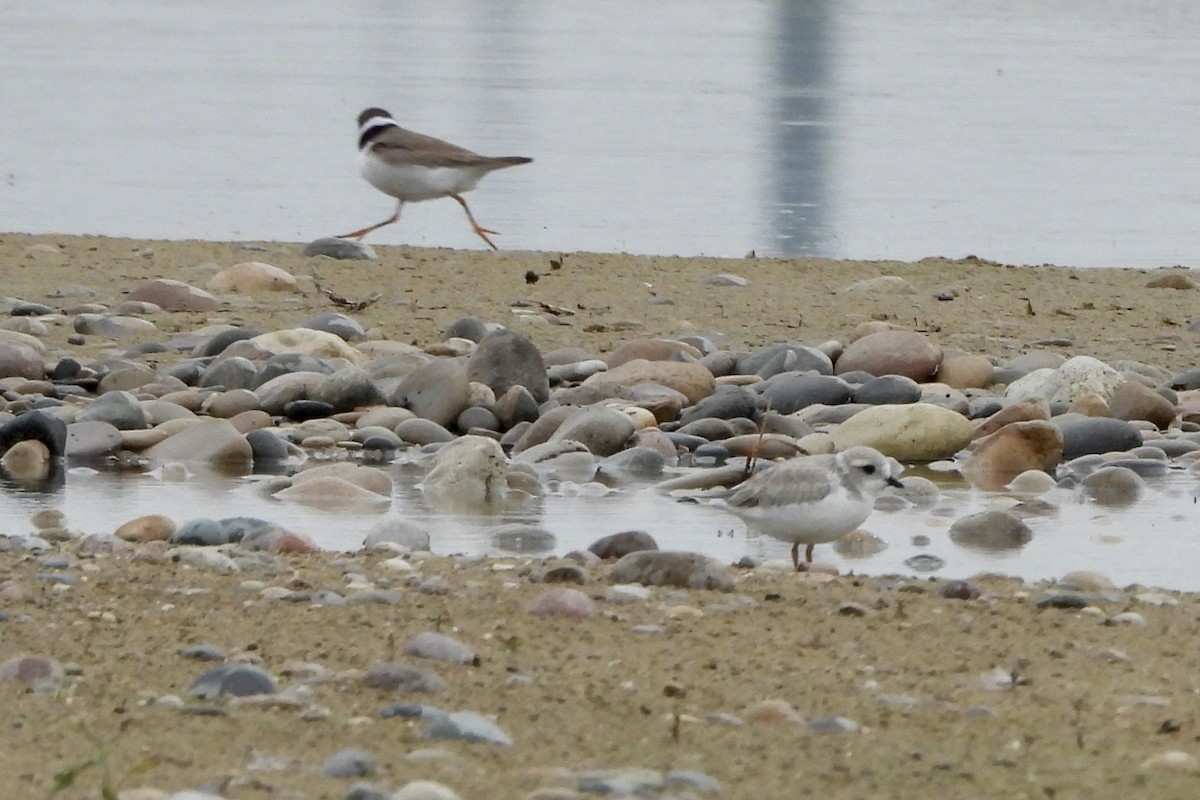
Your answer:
<point x="341" y="301"/>
<point x="762" y="431"/>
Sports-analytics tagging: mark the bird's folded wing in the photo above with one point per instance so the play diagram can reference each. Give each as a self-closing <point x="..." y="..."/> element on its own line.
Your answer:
<point x="400" y="146"/>
<point x="781" y="485"/>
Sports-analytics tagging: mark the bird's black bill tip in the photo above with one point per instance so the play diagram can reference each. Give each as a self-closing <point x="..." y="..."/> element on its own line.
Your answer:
<point x="894" y="481"/>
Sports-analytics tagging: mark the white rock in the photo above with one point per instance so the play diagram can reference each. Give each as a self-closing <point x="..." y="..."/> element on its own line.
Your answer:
<point x="425" y="790"/>
<point x="308" y="342"/>
<point x="205" y="558"/>
<point x="912" y="432"/>
<point x="252" y="276"/>
<point x="1077" y="377"/>
<point x="468" y="473"/>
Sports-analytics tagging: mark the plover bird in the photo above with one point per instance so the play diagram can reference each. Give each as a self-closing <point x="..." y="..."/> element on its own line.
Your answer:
<point x="412" y="167"/>
<point x="813" y="499"/>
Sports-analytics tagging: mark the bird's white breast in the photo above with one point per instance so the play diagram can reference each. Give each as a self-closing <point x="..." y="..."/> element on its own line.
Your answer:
<point x="412" y="183"/>
<point x="807" y="521"/>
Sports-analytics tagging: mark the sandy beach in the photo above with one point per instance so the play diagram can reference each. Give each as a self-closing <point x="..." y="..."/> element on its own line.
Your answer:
<point x="789" y="686"/>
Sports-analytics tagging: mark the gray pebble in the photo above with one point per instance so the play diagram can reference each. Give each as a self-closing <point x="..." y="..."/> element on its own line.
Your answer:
<point x="631" y="782"/>
<point x="672" y="568"/>
<point x="383" y="597"/>
<point x="411" y="711"/>
<point x="202" y="652"/>
<point x="340" y="325"/>
<point x="396" y="531"/>
<point x="990" y="530"/>
<point x="726" y="279"/>
<point x="394" y="676"/>
<point x="788" y="393"/>
<point x="925" y="562"/>
<point x="327" y="597"/>
<point x="239" y="680"/>
<point x="1067" y="600"/>
<point x="201" y="531"/>
<point x="504" y="359"/>
<point x="440" y="647"/>
<point x="888" y="390"/>
<point x="519" y="537"/>
<point x="119" y="409"/>
<point x="833" y="724"/>
<point x="332" y="247"/>
<point x="366" y="791"/>
<point x="700" y="781"/>
<point x="352" y="762"/>
<point x="467" y="726"/>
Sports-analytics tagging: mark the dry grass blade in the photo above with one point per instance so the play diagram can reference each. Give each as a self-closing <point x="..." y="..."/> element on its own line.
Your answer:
<point x="341" y="301"/>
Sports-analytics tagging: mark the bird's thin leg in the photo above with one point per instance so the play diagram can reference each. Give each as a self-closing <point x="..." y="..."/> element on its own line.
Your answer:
<point x="480" y="231"/>
<point x="808" y="554"/>
<point x="363" y="232"/>
<point x="796" y="556"/>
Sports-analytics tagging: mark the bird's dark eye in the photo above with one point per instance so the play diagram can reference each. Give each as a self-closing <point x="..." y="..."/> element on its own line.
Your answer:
<point x="869" y="469"/>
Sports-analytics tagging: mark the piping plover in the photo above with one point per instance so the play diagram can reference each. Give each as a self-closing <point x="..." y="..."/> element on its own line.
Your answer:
<point x="412" y="167"/>
<point x="813" y="499"/>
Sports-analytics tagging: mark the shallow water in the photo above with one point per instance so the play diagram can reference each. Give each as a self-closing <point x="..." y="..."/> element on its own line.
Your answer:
<point x="1021" y="132"/>
<point x="1153" y="542"/>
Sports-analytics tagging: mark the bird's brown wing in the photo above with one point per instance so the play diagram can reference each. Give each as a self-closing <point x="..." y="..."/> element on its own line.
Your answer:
<point x="401" y="146"/>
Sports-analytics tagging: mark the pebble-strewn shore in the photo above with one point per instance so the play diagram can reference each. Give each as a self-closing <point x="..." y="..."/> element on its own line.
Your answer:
<point x="227" y="654"/>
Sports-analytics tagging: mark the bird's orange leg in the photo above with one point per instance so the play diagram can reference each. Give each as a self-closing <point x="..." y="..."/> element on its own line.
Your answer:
<point x="364" y="231"/>
<point x="480" y="231"/>
<point x="796" y="556"/>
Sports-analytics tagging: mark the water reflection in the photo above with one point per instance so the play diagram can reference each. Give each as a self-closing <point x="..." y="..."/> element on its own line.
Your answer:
<point x="803" y="130"/>
<point x="1151" y="542"/>
<point x="1020" y="132"/>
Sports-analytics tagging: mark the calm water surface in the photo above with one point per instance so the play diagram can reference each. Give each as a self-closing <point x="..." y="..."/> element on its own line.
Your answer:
<point x="1154" y="542"/>
<point x="1023" y="132"/>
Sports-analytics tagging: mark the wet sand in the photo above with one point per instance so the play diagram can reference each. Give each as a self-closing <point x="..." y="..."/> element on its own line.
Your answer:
<point x="1085" y="703"/>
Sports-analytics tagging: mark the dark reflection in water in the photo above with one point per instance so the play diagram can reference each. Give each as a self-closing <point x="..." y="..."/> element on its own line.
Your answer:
<point x="53" y="482"/>
<point x="1150" y="541"/>
<point x="801" y="132"/>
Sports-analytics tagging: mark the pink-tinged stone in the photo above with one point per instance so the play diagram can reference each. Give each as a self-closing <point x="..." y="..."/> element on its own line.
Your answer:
<point x="330" y="491"/>
<point x="1015" y="448"/>
<point x="1017" y="412"/>
<point x="12" y="592"/>
<point x="171" y="295"/>
<point x="892" y="353"/>
<point x="1090" y="405"/>
<point x="32" y="671"/>
<point x="18" y="360"/>
<point x="293" y="543"/>
<point x="651" y="350"/>
<point x="148" y="528"/>
<point x="1134" y="401"/>
<point x="27" y="461"/>
<point x="370" y="478"/>
<point x="250" y="277"/>
<point x="1174" y="280"/>
<point x="694" y="381"/>
<point x="96" y="545"/>
<point x="214" y="442"/>
<point x="966" y="372"/>
<point x="773" y="711"/>
<point x="562" y="602"/>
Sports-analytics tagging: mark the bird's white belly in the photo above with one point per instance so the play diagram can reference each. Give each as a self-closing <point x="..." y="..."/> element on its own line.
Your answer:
<point x="412" y="183"/>
<point x="808" y="523"/>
